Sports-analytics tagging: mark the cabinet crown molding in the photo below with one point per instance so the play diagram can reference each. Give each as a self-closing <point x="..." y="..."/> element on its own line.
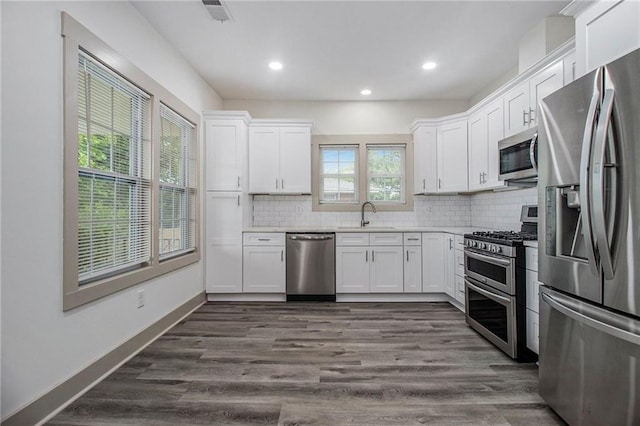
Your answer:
<point x="227" y="115"/>
<point x="283" y="122"/>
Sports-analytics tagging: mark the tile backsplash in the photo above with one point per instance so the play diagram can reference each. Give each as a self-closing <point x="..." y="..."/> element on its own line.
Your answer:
<point x="495" y="210"/>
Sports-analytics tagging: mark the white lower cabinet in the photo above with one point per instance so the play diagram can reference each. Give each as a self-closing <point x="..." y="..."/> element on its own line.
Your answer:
<point x="412" y="269"/>
<point x="387" y="270"/>
<point x="433" y="265"/>
<point x="533" y="295"/>
<point x="450" y="265"/>
<point x="263" y="263"/>
<point x="376" y="267"/>
<point x="352" y="269"/>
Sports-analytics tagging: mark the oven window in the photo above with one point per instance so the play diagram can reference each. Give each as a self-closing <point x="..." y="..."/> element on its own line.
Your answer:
<point x="494" y="272"/>
<point x="490" y="314"/>
<point x="515" y="158"/>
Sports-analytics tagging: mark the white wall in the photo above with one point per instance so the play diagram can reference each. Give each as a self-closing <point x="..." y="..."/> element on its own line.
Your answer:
<point x="42" y="345"/>
<point x="350" y="117"/>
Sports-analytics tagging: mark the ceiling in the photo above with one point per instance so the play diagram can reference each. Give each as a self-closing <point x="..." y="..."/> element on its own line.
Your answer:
<point x="331" y="50"/>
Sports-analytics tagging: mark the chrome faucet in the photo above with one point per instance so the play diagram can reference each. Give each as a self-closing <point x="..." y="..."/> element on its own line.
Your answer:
<point x="363" y="222"/>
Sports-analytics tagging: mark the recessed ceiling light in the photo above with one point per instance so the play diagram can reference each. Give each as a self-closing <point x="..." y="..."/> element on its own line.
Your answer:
<point x="275" y="65"/>
<point x="365" y="92"/>
<point x="428" y="65"/>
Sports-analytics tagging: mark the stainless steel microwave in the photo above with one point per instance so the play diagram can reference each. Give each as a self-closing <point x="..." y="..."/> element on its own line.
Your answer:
<point x="519" y="155"/>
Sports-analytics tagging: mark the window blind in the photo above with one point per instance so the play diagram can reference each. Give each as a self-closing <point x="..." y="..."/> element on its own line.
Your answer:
<point x="177" y="183"/>
<point x="114" y="179"/>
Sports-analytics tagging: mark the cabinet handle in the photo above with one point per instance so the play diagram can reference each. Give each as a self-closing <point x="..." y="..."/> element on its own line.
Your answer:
<point x="524" y="118"/>
<point x="424" y="185"/>
<point x="413" y="239"/>
<point x="281" y="255"/>
<point x="238" y="201"/>
<point x="366" y="255"/>
<point x="439" y="183"/>
<point x="450" y="243"/>
<point x="373" y="256"/>
<point x="282" y="186"/>
<point x="531" y="116"/>
<point x="238" y="181"/>
<point x="276" y="183"/>
<point x="407" y="255"/>
<point x="264" y="239"/>
<point x="480" y="178"/>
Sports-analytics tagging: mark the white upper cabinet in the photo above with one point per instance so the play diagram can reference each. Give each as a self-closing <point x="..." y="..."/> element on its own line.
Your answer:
<point x="226" y="138"/>
<point x="425" y="163"/>
<point x="520" y="103"/>
<point x="605" y="31"/>
<point x="452" y="157"/>
<point x="280" y="159"/>
<point x="486" y="128"/>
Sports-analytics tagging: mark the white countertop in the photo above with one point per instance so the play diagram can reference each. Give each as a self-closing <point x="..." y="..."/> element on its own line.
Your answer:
<point x="449" y="229"/>
<point x="531" y="244"/>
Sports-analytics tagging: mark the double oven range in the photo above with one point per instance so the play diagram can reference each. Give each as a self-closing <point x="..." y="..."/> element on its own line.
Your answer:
<point x="495" y="281"/>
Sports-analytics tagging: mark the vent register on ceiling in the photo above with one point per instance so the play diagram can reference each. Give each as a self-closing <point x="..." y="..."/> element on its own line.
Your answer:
<point x="218" y="10"/>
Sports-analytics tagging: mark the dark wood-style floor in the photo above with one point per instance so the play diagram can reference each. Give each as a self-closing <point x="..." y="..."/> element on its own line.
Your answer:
<point x="317" y="363"/>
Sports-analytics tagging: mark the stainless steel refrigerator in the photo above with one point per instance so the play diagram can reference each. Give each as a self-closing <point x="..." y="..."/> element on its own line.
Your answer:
<point x="589" y="246"/>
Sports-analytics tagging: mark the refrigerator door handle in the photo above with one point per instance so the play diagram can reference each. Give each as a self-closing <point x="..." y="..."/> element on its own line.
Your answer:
<point x="599" y="324"/>
<point x="585" y="196"/>
<point x="599" y="148"/>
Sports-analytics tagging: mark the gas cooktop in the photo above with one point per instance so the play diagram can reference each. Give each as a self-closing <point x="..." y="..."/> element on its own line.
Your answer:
<point x="508" y="238"/>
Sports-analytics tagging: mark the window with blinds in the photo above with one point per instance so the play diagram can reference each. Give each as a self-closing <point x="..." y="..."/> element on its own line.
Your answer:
<point x="177" y="183"/>
<point x="114" y="173"/>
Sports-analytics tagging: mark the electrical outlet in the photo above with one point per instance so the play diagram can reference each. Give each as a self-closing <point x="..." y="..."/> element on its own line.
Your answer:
<point x="140" y="298"/>
<point x="299" y="210"/>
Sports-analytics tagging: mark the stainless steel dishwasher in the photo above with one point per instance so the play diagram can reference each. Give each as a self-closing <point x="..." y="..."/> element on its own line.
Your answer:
<point x="311" y="266"/>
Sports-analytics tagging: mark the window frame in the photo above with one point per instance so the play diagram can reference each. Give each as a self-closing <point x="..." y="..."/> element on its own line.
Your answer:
<point x="75" y="38"/>
<point x="362" y="141"/>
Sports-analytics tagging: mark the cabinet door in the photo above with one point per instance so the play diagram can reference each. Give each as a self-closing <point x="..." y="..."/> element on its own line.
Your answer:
<point x="295" y="160"/>
<point x="225" y="154"/>
<point x="412" y="269"/>
<point x="516" y="109"/>
<point x="387" y="270"/>
<point x="478" y="155"/>
<point x="223" y="235"/>
<point x="533" y="330"/>
<point x="264" y="160"/>
<point x="425" y="160"/>
<point x="494" y="113"/>
<point x="433" y="262"/>
<point x="542" y="85"/>
<point x="352" y="269"/>
<point x="606" y="31"/>
<point x="452" y="157"/>
<point x="450" y="265"/>
<point x="263" y="269"/>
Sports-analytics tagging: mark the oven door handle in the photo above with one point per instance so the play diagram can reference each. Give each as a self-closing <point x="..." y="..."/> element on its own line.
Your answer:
<point x="489" y="259"/>
<point x="503" y="300"/>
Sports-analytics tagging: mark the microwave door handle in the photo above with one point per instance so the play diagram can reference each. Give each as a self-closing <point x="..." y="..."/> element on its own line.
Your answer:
<point x="599" y="148"/>
<point x="532" y="152"/>
<point x="585" y="196"/>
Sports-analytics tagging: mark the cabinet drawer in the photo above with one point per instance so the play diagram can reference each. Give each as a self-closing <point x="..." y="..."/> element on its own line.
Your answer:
<point x="352" y="239"/>
<point x="385" y="239"/>
<point x="263" y="239"/>
<point x="412" y="238"/>
<point x="531" y="258"/>
<point x="459" y="241"/>
<point x="533" y="291"/>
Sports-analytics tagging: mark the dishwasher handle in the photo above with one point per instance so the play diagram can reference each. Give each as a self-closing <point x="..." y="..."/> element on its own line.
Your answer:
<point x="311" y="237"/>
